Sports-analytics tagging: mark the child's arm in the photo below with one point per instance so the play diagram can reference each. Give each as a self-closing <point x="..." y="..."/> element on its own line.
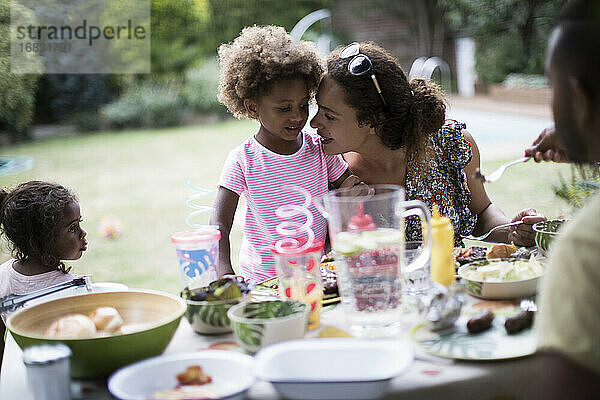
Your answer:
<point x="225" y="206"/>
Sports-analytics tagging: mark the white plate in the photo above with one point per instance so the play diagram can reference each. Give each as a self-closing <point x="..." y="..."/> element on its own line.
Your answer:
<point x="231" y="372"/>
<point x="492" y="344"/>
<point x="338" y="368"/>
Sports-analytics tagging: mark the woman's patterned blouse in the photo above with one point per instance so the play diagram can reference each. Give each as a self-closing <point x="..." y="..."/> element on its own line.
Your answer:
<point x="442" y="181"/>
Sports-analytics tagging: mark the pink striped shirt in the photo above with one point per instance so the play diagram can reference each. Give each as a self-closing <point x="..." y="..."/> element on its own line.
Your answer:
<point x="260" y="174"/>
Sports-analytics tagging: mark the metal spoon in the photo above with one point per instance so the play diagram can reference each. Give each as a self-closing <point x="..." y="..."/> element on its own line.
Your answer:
<point x="494" y="176"/>
<point x="482" y="237"/>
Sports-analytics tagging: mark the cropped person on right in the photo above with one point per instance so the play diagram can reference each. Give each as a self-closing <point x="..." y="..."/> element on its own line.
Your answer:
<point x="568" y="324"/>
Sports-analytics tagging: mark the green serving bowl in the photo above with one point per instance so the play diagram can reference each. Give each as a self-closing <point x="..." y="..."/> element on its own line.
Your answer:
<point x="260" y="324"/>
<point x="546" y="232"/>
<point x="210" y="317"/>
<point x="155" y="315"/>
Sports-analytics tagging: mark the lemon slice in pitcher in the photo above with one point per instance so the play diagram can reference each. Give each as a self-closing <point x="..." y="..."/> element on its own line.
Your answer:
<point x="346" y="244"/>
<point x="383" y="236"/>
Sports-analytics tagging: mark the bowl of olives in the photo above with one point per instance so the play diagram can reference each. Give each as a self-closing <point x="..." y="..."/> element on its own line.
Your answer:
<point x="207" y="306"/>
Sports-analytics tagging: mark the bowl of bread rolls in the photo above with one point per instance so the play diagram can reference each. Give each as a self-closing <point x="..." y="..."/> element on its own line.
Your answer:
<point x="104" y="331"/>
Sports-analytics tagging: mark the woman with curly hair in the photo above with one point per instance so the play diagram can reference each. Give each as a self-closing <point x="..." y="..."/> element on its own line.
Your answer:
<point x="269" y="77"/>
<point x="41" y="221"/>
<point x="393" y="131"/>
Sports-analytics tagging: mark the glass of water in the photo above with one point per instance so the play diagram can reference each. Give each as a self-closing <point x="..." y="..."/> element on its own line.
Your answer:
<point x="416" y="273"/>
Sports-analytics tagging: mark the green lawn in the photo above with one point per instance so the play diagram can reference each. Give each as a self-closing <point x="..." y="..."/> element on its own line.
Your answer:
<point x="139" y="177"/>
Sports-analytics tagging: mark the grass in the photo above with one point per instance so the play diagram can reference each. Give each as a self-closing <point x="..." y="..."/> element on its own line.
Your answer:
<point x="139" y="177"/>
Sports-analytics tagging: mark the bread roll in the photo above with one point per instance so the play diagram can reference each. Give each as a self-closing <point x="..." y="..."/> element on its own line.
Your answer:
<point x="106" y="319"/>
<point x="132" y="328"/>
<point x="72" y="326"/>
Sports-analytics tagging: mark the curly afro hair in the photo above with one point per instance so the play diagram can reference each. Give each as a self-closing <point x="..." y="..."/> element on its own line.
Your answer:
<point x="409" y="118"/>
<point x="29" y="218"/>
<point x="259" y="58"/>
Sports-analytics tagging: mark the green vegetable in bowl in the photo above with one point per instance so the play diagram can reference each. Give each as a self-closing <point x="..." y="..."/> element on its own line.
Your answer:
<point x="222" y="289"/>
<point x="272" y="309"/>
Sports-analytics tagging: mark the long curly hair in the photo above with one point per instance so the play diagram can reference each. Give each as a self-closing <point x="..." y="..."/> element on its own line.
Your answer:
<point x="260" y="57"/>
<point x="416" y="109"/>
<point x="29" y="219"/>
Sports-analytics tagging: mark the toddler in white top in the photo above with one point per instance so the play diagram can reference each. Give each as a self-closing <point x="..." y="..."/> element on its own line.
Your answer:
<point x="269" y="77"/>
<point x="41" y="222"/>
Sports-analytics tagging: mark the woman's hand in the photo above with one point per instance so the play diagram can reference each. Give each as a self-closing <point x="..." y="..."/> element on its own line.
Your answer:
<point x="523" y="235"/>
<point x="547" y="147"/>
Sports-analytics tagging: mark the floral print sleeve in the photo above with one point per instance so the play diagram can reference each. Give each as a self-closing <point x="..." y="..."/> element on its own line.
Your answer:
<point x="442" y="181"/>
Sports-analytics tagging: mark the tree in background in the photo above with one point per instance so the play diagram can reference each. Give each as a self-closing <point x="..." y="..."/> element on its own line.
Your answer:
<point x="181" y="35"/>
<point x="186" y="32"/>
<point x="511" y="35"/>
<point x="230" y="16"/>
<point x="185" y="36"/>
<point x="17" y="96"/>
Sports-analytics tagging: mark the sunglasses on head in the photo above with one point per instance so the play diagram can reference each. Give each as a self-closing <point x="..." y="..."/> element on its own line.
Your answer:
<point x="360" y="65"/>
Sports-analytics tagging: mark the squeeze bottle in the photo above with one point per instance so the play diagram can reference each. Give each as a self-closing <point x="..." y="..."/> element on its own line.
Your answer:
<point x="442" y="263"/>
<point x="361" y="221"/>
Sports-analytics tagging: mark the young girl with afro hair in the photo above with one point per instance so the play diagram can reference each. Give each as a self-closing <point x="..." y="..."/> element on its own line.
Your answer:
<point x="41" y="222"/>
<point x="271" y="78"/>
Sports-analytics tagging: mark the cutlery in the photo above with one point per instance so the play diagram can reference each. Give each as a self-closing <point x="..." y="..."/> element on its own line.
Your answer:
<point x="492" y="230"/>
<point x="12" y="302"/>
<point x="494" y="176"/>
<point x="528" y="304"/>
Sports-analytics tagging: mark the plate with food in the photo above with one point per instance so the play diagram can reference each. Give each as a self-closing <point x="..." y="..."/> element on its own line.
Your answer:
<point x="503" y="278"/>
<point x="491" y="333"/>
<point x="209" y="374"/>
<point x="471" y="254"/>
<point x="330" y="287"/>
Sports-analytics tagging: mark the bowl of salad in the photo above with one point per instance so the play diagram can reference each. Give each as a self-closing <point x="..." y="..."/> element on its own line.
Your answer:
<point x="546" y="232"/>
<point x="502" y="278"/>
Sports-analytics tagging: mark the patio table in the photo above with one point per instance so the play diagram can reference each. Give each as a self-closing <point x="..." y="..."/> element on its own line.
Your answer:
<point x="429" y="377"/>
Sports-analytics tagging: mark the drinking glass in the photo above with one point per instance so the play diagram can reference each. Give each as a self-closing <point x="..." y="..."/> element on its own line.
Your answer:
<point x="416" y="273"/>
<point x="198" y="255"/>
<point x="298" y="263"/>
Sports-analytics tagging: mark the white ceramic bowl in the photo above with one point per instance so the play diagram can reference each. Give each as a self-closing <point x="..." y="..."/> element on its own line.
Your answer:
<point x="255" y="326"/>
<point x="498" y="290"/>
<point x="339" y="368"/>
<point x="231" y="372"/>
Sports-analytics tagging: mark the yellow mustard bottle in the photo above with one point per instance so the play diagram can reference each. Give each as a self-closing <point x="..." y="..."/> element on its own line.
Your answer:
<point x="442" y="263"/>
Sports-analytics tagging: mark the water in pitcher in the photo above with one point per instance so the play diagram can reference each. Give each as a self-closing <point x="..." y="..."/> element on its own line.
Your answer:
<point x="370" y="278"/>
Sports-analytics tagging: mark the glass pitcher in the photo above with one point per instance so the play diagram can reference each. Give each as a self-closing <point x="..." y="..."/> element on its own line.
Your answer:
<point x="366" y="227"/>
